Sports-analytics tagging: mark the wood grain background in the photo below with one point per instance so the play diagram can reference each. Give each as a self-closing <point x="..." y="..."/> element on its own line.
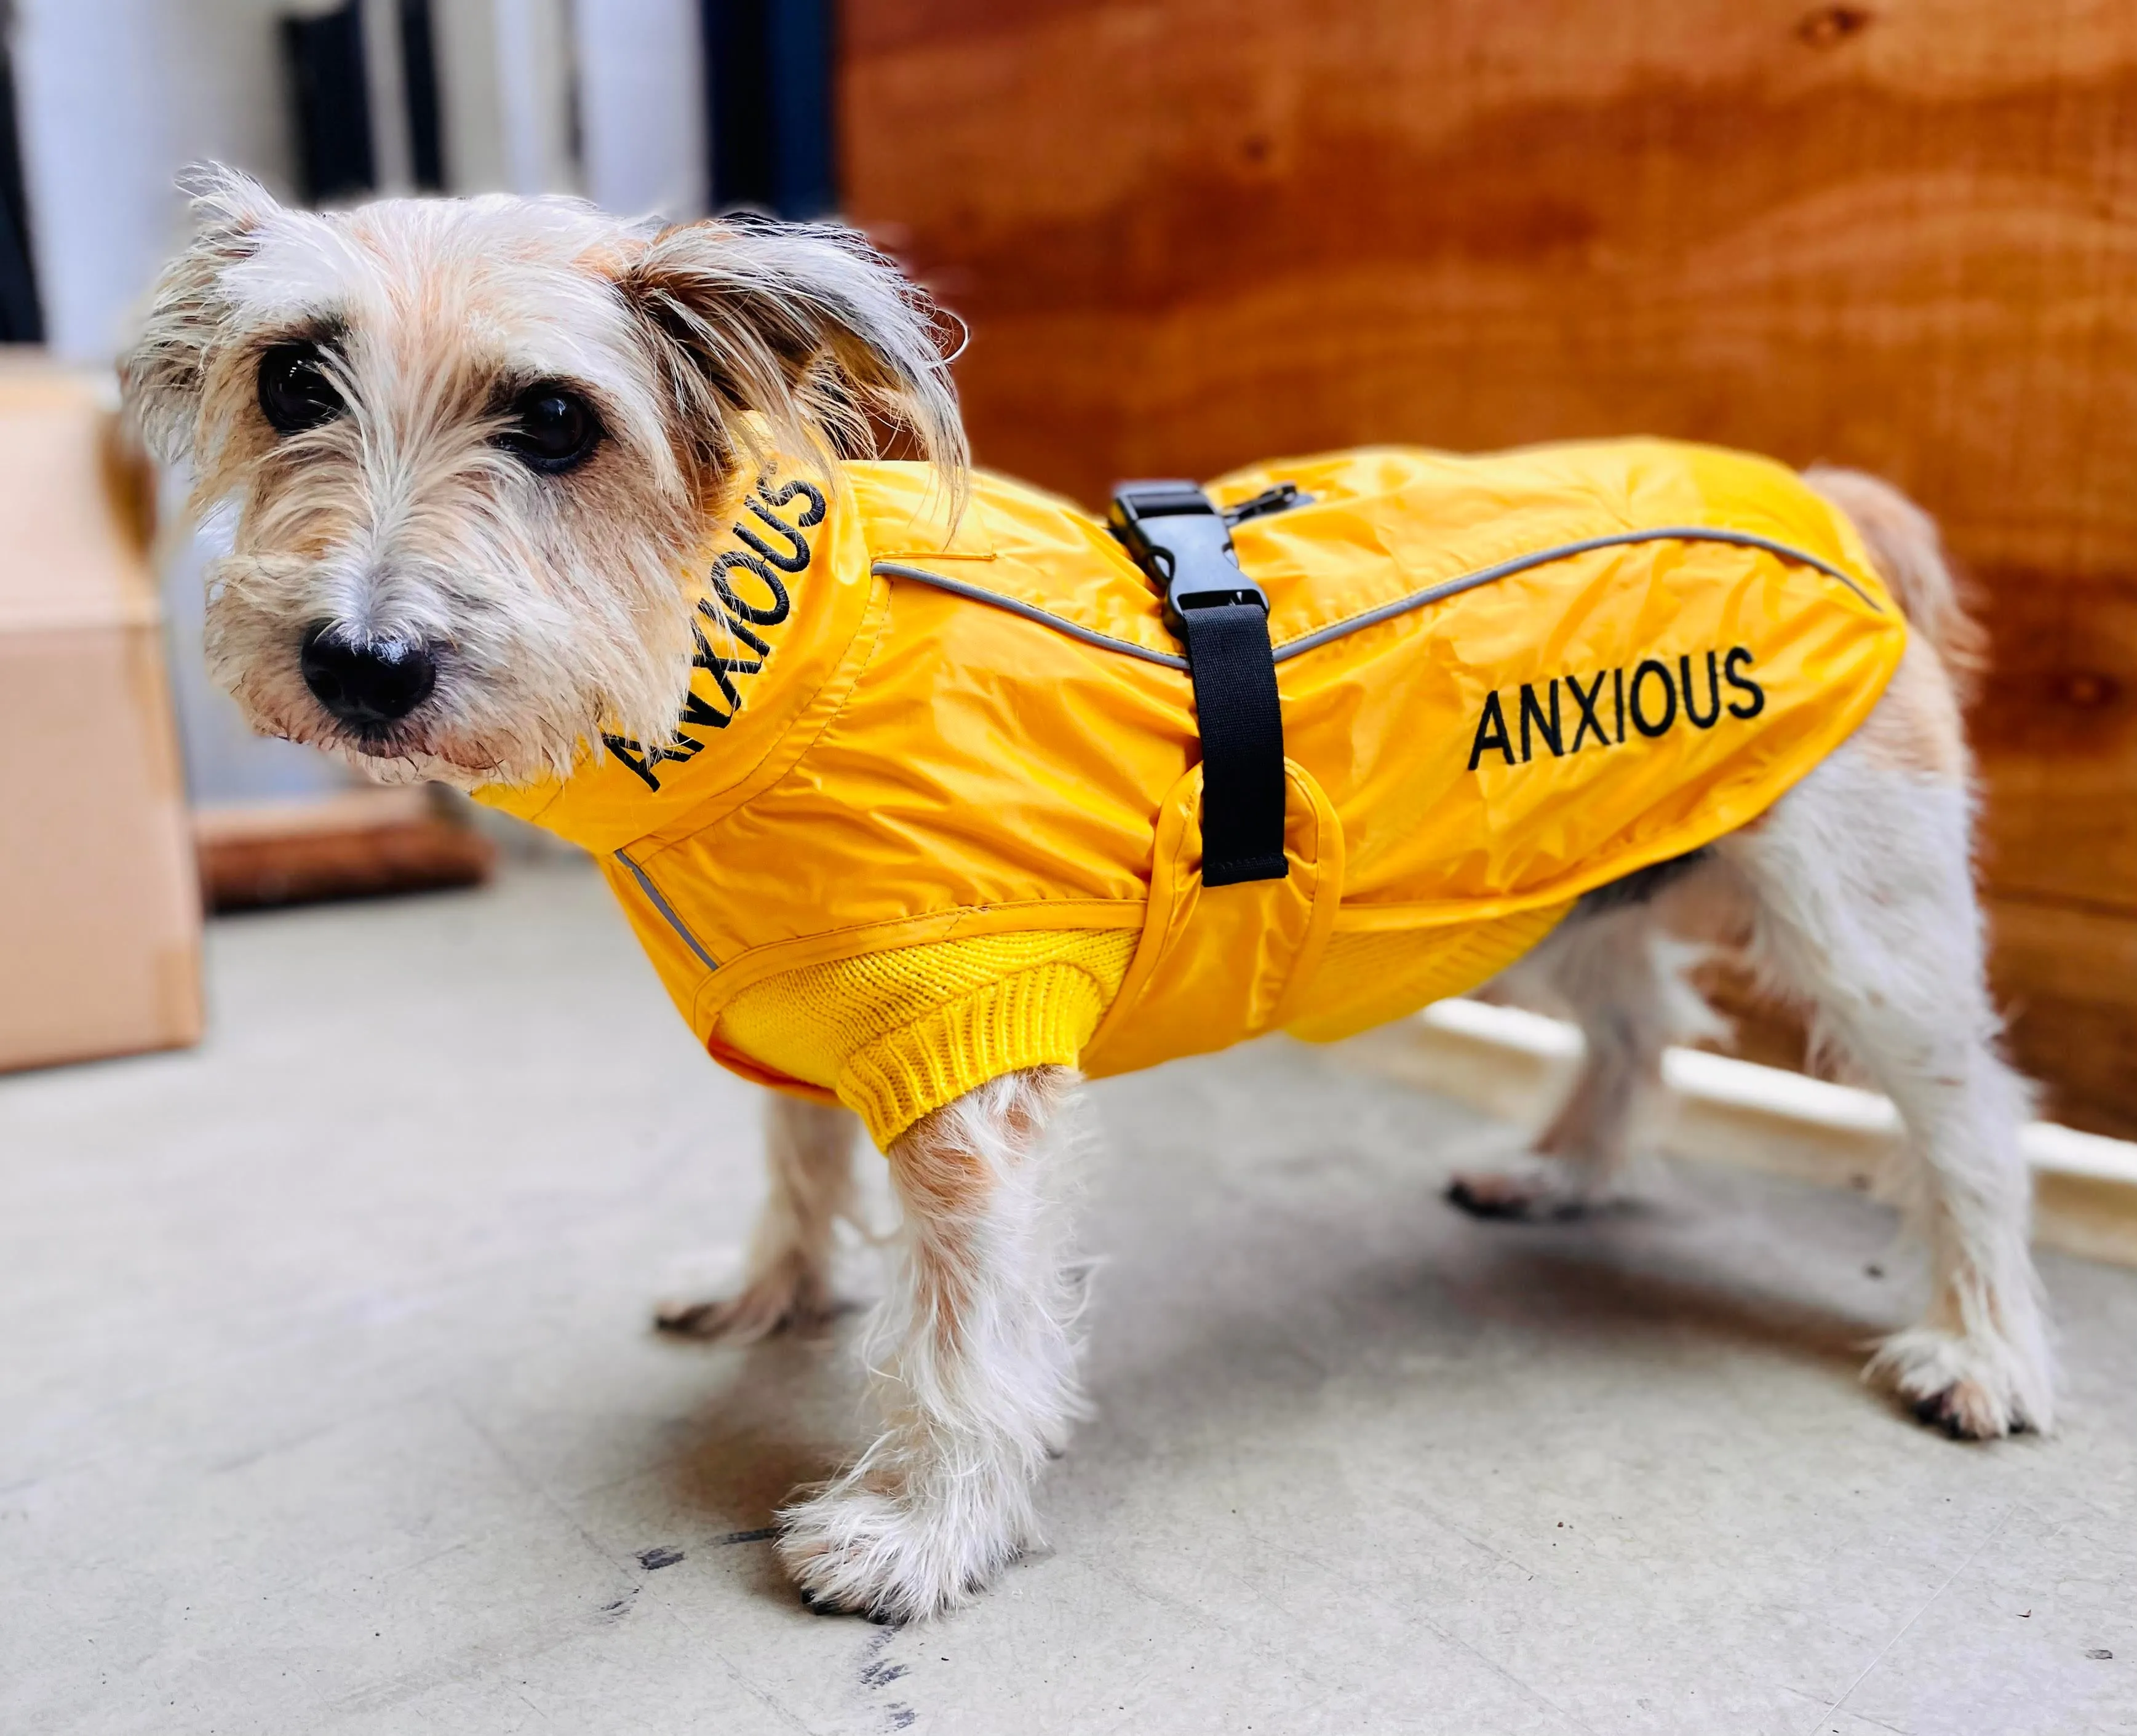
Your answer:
<point x="1899" y="235"/>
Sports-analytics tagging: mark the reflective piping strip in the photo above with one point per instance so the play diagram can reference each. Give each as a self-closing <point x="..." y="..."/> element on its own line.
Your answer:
<point x="1387" y="611"/>
<point x="1030" y="612"/>
<point x="1522" y="563"/>
<point x="653" y="892"/>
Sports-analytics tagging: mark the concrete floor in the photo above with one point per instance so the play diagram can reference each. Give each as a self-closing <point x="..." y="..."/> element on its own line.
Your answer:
<point x="327" y="1404"/>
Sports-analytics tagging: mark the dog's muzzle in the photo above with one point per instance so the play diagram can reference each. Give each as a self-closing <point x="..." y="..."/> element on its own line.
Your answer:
<point x="363" y="681"/>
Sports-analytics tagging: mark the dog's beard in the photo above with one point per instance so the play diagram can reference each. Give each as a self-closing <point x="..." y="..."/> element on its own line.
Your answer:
<point x="423" y="749"/>
<point x="408" y="757"/>
<point x="483" y="725"/>
<point x="414" y="751"/>
<point x="419" y="752"/>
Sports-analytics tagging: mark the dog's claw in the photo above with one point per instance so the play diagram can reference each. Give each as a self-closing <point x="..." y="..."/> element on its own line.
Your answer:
<point x="829" y="1609"/>
<point x="1512" y="1199"/>
<point x="1963" y="1412"/>
<point x="757" y="1313"/>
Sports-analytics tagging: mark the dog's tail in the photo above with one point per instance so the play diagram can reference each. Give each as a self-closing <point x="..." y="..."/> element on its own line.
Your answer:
<point x="1909" y="555"/>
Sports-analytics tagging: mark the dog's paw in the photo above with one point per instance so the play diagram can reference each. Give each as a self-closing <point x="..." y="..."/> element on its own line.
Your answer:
<point x="1532" y="1194"/>
<point x="777" y="1301"/>
<point x="855" y="1550"/>
<point x="1967" y="1391"/>
<point x="1967" y="1411"/>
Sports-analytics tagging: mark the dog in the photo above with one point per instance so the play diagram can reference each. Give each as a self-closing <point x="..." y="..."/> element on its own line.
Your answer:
<point x="473" y="447"/>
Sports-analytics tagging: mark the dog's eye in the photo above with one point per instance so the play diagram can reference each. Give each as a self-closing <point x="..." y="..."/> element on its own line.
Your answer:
<point x="553" y="429"/>
<point x="294" y="390"/>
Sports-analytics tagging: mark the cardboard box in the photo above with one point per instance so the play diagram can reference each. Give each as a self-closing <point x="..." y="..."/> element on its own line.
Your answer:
<point x="99" y="905"/>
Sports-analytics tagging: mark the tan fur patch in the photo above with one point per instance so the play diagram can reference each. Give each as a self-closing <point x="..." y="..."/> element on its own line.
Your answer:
<point x="1916" y="726"/>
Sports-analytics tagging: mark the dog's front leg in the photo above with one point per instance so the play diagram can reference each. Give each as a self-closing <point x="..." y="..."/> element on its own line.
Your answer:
<point x="973" y="1359"/>
<point x="808" y="1164"/>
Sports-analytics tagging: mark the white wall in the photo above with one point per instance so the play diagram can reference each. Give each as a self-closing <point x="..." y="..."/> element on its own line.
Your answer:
<point x="506" y="70"/>
<point x="504" y="79"/>
<point x="115" y="97"/>
<point x="642" y="106"/>
<point x="534" y="89"/>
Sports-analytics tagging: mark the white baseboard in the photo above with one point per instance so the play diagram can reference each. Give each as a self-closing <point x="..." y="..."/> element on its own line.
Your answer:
<point x="1513" y="1063"/>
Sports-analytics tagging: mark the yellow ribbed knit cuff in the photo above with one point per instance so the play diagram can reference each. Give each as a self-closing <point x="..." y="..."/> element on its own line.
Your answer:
<point x="1041" y="1017"/>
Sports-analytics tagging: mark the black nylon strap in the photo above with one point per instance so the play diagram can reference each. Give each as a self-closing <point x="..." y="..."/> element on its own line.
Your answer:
<point x="1242" y="723"/>
<point x="1182" y="541"/>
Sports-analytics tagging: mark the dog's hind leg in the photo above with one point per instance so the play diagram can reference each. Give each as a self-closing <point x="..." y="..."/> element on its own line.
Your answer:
<point x="973" y="1360"/>
<point x="787" y="1280"/>
<point x="1865" y="909"/>
<point x="1623" y="980"/>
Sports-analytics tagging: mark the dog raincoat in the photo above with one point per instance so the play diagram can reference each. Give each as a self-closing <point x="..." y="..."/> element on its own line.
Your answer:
<point x="931" y="810"/>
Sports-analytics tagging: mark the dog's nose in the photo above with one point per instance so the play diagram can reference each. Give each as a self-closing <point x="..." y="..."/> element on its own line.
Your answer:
<point x="363" y="680"/>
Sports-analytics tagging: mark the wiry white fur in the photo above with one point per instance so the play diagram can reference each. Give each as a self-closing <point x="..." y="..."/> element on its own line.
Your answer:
<point x="1862" y="913"/>
<point x="787" y="1280"/>
<point x="1864" y="910"/>
<point x="1624" y="980"/>
<point x="973" y="1360"/>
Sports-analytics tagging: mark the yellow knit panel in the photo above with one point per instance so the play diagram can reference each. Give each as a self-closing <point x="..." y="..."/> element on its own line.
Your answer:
<point x="1369" y="976"/>
<point x="899" y="1034"/>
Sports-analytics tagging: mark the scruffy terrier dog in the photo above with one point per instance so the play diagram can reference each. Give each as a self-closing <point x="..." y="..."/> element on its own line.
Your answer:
<point x="477" y="450"/>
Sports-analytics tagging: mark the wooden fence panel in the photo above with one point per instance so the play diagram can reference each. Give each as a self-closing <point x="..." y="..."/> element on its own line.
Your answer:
<point x="1899" y="235"/>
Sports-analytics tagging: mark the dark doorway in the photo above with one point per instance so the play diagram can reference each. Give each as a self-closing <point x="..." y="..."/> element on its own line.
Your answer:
<point x="768" y="83"/>
<point x="419" y="80"/>
<point x="331" y="98"/>
<point x="22" y="320"/>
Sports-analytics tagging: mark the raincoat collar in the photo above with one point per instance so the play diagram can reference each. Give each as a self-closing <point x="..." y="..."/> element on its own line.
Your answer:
<point x="784" y="594"/>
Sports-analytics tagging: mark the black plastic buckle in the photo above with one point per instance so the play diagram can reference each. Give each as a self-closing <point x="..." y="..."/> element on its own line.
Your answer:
<point x="1185" y="546"/>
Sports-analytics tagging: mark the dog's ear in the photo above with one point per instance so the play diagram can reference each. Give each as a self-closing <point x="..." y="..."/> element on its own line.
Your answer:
<point x="189" y="315"/>
<point x="805" y="325"/>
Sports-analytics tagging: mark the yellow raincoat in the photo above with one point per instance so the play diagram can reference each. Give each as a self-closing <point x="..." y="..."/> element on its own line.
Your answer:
<point x="930" y="813"/>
